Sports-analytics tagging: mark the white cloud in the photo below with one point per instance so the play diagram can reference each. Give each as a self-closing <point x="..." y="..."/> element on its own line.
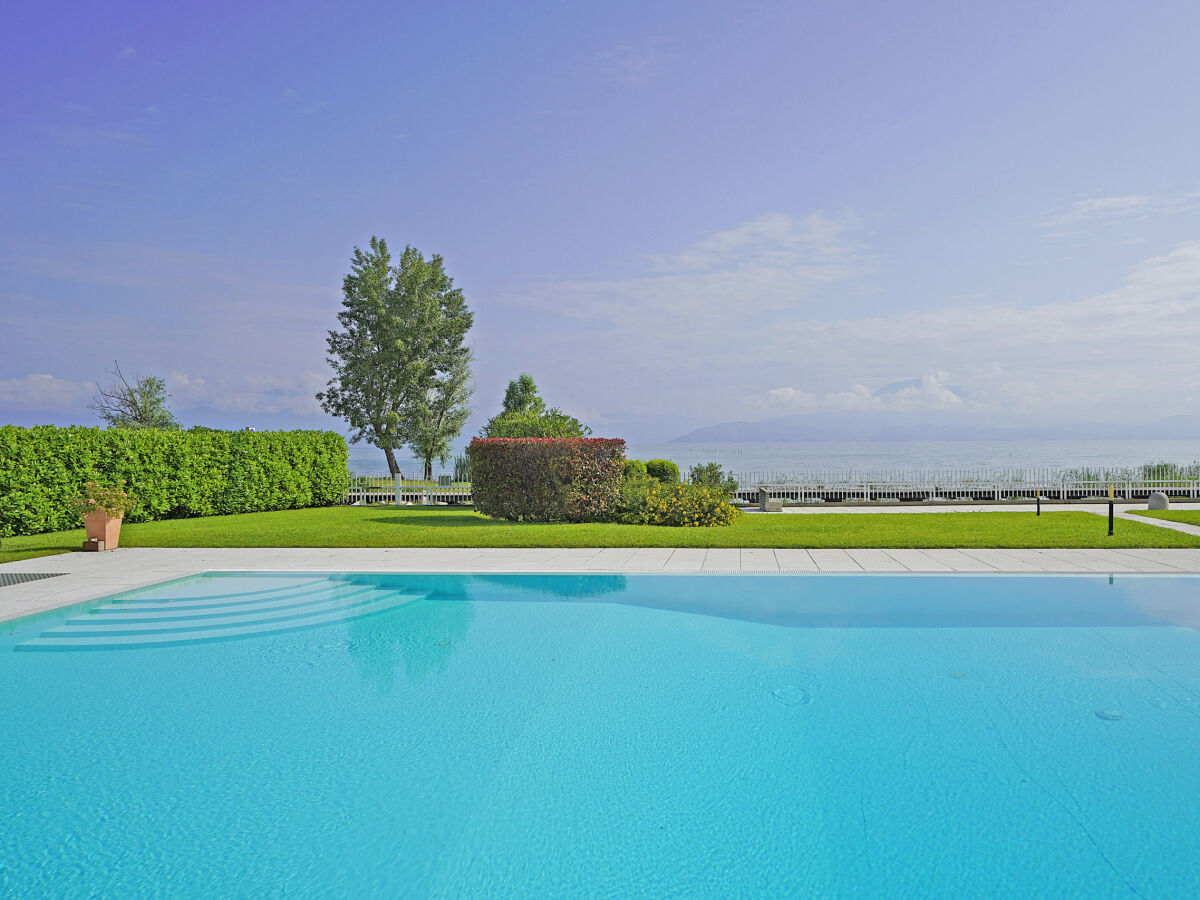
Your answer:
<point x="1123" y="350"/>
<point x="302" y="105"/>
<point x="757" y="319"/>
<point x="930" y="392"/>
<point x="632" y="62"/>
<point x="785" y="398"/>
<point x="294" y="394"/>
<point x="773" y="263"/>
<point x="188" y="390"/>
<point x="774" y="240"/>
<point x="249" y="393"/>
<point x="45" y="392"/>
<point x="1115" y="208"/>
<point x="127" y="53"/>
<point x="230" y="337"/>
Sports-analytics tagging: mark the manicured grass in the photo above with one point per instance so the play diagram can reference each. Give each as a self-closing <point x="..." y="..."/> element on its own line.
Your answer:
<point x="447" y="527"/>
<point x="1186" y="516"/>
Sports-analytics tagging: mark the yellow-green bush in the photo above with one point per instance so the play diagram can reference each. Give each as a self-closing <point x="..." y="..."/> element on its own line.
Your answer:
<point x="681" y="505"/>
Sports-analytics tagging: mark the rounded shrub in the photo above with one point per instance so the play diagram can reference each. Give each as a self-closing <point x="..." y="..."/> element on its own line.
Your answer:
<point x="663" y="470"/>
<point x="547" y="479"/>
<point x="634" y="468"/>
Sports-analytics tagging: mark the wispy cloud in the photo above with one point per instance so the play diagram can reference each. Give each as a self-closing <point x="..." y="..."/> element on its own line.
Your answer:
<point x="1123" y="351"/>
<point x="127" y="53"/>
<point x="1116" y="208"/>
<point x="928" y="393"/>
<point x="95" y="136"/>
<point x="238" y="392"/>
<point x="774" y="240"/>
<point x="45" y="392"/>
<point x="774" y="263"/>
<point x="230" y="337"/>
<point x="753" y="312"/>
<point x="301" y="105"/>
<point x="633" y="62"/>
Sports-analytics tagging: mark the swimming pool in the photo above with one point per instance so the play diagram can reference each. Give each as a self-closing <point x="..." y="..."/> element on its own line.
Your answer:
<point x="238" y="734"/>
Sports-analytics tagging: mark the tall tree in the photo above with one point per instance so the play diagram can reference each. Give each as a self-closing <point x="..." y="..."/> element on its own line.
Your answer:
<point x="401" y="347"/>
<point x="142" y="404"/>
<point x="521" y="395"/>
<point x="435" y="423"/>
<point x="524" y="415"/>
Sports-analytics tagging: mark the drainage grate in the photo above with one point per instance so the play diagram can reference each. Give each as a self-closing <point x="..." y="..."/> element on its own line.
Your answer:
<point x="7" y="579"/>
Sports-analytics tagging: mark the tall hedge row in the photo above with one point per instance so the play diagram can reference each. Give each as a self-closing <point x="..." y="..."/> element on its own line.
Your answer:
<point x="173" y="474"/>
<point x="547" y="479"/>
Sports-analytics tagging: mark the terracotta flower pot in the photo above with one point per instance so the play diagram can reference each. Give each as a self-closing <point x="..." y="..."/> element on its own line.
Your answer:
<point x="103" y="527"/>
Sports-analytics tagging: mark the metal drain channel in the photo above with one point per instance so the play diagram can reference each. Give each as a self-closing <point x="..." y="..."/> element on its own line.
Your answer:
<point x="8" y="579"/>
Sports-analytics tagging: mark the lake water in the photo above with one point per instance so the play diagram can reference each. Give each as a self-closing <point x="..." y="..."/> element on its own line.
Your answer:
<point x="874" y="455"/>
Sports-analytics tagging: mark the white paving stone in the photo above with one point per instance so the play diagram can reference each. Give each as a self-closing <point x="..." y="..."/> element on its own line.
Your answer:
<point x="1180" y="559"/>
<point x="959" y="561"/>
<point x="759" y="561"/>
<point x="834" y="561"/>
<point x="871" y="560"/>
<point x="1120" y="560"/>
<point x="795" y="561"/>
<point x="918" y="560"/>
<point x="722" y="559"/>
<point x="686" y="559"/>
<point x="1009" y="561"/>
<point x="1087" y="561"/>
<point x="650" y="558"/>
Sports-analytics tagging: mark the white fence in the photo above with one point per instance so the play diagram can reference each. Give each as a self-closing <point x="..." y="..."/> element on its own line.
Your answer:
<point x="402" y="489"/>
<point x="964" y="485"/>
<point x="848" y="486"/>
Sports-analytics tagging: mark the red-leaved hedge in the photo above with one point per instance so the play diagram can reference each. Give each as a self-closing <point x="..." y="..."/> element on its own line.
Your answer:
<point x="547" y="479"/>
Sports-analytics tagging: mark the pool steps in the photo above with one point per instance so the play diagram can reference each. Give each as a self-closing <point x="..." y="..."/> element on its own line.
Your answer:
<point x="167" y="613"/>
<point x="158" y="622"/>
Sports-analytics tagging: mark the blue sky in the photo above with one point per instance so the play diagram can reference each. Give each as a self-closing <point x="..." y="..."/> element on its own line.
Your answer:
<point x="669" y="214"/>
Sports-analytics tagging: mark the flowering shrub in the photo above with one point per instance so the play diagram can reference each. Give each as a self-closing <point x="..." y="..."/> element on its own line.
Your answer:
<point x="685" y="505"/>
<point x="547" y="479"/>
<point x="113" y="501"/>
<point x="633" y="503"/>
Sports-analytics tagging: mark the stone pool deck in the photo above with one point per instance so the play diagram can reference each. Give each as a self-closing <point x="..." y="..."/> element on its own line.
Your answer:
<point x="86" y="576"/>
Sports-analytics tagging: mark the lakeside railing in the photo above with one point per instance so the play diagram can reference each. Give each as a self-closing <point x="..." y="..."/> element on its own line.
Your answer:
<point x="401" y="489"/>
<point x="852" y="486"/>
<point x="967" y="485"/>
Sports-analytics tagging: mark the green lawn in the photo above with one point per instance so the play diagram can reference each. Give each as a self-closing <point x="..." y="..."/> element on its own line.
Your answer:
<point x="346" y="526"/>
<point x="1186" y="516"/>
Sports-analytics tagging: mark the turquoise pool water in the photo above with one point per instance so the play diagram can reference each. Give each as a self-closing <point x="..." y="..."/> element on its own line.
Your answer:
<point x="300" y="735"/>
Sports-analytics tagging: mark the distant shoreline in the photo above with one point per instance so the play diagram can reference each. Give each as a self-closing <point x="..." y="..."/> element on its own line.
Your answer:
<point x="809" y="456"/>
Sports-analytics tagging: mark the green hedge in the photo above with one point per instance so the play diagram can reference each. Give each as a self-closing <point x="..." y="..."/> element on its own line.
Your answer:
<point x="172" y="474"/>
<point x="547" y="479"/>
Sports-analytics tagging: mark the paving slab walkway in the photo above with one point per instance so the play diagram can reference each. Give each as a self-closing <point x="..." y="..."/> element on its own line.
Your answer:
<point x="87" y="576"/>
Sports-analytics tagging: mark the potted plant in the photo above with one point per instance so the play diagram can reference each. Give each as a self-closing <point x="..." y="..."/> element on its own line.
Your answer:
<point x="102" y="509"/>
